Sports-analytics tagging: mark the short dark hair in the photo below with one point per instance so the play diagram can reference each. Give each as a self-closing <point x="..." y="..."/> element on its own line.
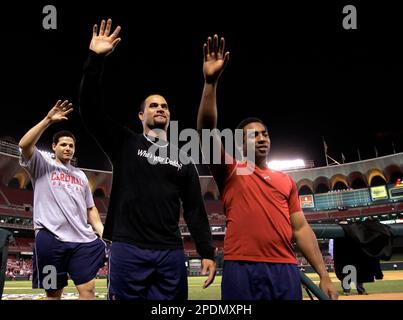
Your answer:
<point x="63" y="133"/>
<point x="246" y="121"/>
<point x="143" y="105"/>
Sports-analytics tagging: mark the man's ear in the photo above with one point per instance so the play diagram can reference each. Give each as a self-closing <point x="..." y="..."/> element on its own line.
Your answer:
<point x="141" y="115"/>
<point x="53" y="146"/>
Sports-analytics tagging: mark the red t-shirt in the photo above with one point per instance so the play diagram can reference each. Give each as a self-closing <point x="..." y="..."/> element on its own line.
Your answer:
<point x="258" y="208"/>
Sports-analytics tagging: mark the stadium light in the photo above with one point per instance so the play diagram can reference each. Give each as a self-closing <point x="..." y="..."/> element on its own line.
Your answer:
<point x="284" y="165"/>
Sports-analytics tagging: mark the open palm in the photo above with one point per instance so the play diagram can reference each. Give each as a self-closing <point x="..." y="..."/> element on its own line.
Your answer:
<point x="215" y="59"/>
<point x="60" y="111"/>
<point x="103" y="42"/>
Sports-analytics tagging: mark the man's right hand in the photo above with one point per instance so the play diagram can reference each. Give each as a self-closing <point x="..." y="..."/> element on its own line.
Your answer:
<point x="59" y="111"/>
<point x="103" y="42"/>
<point x="215" y="58"/>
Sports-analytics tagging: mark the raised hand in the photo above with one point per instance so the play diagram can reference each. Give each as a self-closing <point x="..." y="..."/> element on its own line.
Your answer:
<point x="215" y="59"/>
<point x="60" y="111"/>
<point x="103" y="42"/>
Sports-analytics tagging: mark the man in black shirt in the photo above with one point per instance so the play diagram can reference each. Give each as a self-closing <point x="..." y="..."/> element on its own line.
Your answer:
<point x="149" y="183"/>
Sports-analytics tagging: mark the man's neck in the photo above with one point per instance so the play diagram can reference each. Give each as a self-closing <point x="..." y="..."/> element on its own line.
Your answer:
<point x="261" y="164"/>
<point x="66" y="163"/>
<point x="159" y="133"/>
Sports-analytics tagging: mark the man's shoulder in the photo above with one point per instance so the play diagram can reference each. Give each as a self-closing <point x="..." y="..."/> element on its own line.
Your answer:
<point x="134" y="136"/>
<point x="79" y="172"/>
<point x="43" y="156"/>
<point x="281" y="176"/>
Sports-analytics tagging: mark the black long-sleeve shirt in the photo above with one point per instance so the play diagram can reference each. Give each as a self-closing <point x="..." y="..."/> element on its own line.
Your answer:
<point x="148" y="186"/>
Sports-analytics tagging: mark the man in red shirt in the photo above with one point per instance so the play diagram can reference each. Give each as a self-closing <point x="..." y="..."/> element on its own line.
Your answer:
<point x="261" y="206"/>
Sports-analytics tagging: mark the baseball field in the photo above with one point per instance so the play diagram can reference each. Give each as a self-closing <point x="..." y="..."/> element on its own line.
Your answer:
<point x="390" y="288"/>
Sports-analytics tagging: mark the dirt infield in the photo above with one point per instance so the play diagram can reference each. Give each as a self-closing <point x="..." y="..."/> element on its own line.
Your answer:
<point x="395" y="275"/>
<point x="388" y="276"/>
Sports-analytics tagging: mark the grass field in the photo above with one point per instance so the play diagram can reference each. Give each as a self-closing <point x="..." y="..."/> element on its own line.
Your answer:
<point x="393" y="282"/>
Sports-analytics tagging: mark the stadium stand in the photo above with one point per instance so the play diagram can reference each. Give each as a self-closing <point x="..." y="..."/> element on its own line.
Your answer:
<point x="18" y="197"/>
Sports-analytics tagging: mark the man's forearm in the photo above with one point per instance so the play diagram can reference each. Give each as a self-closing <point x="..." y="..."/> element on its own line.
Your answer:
<point x="95" y="221"/>
<point x="99" y="228"/>
<point x="207" y="115"/>
<point x="29" y="140"/>
<point x="90" y="89"/>
<point x="199" y="229"/>
<point x="308" y="244"/>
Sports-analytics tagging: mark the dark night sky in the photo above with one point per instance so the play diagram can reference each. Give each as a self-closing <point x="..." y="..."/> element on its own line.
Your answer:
<point x="293" y="66"/>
